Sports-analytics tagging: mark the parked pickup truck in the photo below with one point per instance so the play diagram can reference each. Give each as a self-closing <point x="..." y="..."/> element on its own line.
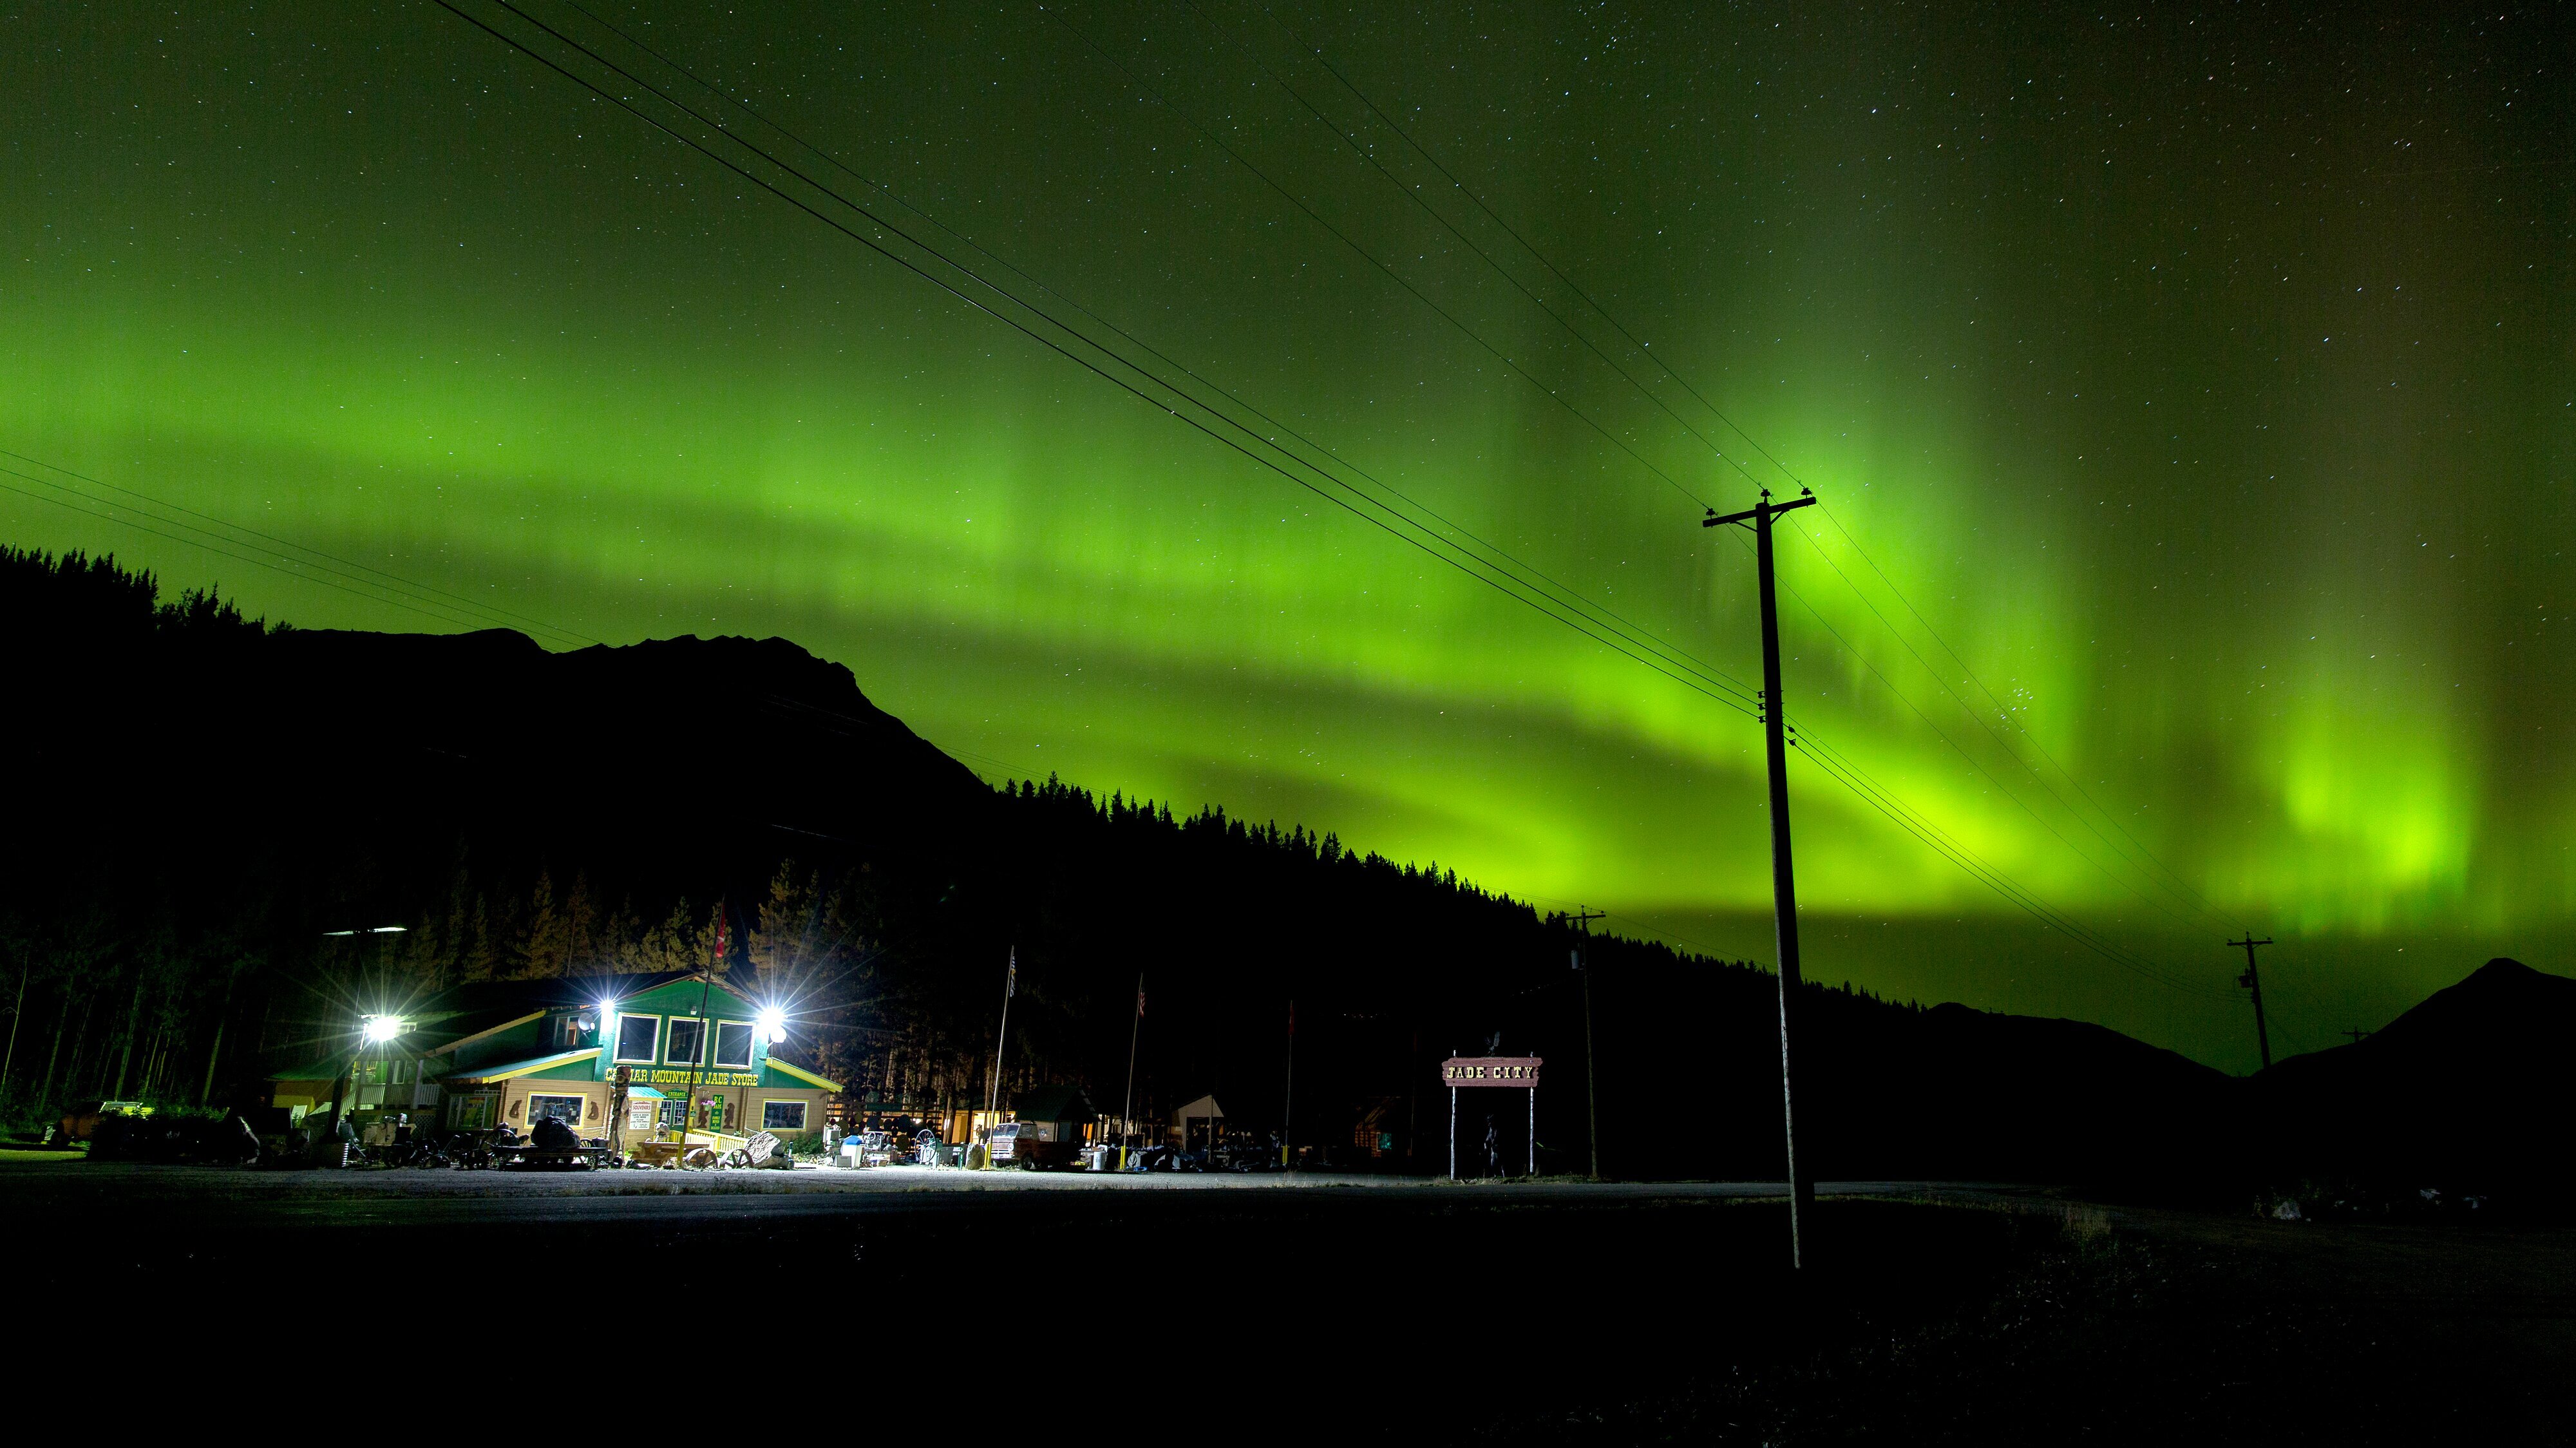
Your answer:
<point x="80" y="1122"/>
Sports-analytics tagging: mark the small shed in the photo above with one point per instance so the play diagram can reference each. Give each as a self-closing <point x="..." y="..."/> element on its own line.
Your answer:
<point x="1197" y="1126"/>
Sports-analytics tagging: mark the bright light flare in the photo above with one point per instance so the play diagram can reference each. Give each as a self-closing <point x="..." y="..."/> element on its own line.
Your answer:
<point x="382" y="1029"/>
<point x="772" y="1024"/>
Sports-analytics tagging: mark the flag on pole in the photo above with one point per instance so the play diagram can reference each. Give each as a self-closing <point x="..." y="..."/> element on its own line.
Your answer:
<point x="1011" y="981"/>
<point x="1292" y="1018"/>
<point x="1140" y="998"/>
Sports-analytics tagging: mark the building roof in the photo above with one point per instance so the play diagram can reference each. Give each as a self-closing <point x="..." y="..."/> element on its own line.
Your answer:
<point x="508" y="1070"/>
<point x="329" y="1068"/>
<point x="463" y="1014"/>
<point x="782" y="1065"/>
<point x="557" y="992"/>
<point x="1204" y="1106"/>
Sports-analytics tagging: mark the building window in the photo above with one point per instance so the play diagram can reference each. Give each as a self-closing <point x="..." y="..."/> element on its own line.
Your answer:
<point x="782" y="1116"/>
<point x="688" y="1041"/>
<point x="471" y="1113"/>
<point x="636" y="1038"/>
<point x="566" y="1109"/>
<point x="733" y="1044"/>
<point x="402" y="1073"/>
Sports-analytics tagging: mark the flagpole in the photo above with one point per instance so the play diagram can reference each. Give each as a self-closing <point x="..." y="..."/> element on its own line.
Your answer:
<point x="1010" y="987"/>
<point x="1126" y="1127"/>
<point x="706" y="991"/>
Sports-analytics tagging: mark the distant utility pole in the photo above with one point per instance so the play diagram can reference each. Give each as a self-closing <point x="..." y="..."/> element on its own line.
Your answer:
<point x="1583" y="918"/>
<point x="1784" y="884"/>
<point x="2252" y="980"/>
<point x="2358" y="1036"/>
<point x="993" y="1093"/>
<point x="1127" y="1112"/>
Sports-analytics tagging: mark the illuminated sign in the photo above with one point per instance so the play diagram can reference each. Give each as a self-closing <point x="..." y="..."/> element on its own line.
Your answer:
<point x="1510" y="1071"/>
<point x="642" y="1077"/>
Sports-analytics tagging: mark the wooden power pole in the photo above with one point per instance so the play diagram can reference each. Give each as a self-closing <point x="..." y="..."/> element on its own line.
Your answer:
<point x="1784" y="884"/>
<point x="1583" y="917"/>
<point x="2253" y="981"/>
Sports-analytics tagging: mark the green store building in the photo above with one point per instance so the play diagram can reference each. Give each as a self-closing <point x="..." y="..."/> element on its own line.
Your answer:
<point x="697" y="1051"/>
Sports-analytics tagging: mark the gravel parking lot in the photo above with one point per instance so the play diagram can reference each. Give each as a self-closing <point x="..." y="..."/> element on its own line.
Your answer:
<point x="1544" y="1311"/>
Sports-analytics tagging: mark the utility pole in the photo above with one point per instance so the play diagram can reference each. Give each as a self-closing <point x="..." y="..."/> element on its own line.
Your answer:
<point x="1784" y="884"/>
<point x="1583" y="918"/>
<point x="992" y="1094"/>
<point x="706" y="1001"/>
<point x="2253" y="981"/>
<point x="2358" y="1036"/>
<point x="1126" y="1127"/>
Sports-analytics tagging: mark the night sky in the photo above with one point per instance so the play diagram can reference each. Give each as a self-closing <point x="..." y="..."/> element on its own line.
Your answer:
<point x="2191" y="394"/>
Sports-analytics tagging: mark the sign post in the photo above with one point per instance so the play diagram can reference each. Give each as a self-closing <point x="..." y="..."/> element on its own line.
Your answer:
<point x="1510" y="1073"/>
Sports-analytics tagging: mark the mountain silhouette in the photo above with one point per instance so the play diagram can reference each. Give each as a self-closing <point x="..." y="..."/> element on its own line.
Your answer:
<point x="217" y="803"/>
<point x="2468" y="1090"/>
<point x="668" y="762"/>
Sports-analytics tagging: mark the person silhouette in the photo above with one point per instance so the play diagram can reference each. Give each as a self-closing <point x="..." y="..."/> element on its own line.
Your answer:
<point x="1493" y="1147"/>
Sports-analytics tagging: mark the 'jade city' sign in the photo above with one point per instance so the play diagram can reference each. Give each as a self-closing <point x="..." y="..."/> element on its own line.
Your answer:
<point x="1518" y="1071"/>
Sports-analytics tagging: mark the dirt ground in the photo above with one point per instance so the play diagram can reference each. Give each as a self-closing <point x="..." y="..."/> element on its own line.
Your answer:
<point x="1264" y="1307"/>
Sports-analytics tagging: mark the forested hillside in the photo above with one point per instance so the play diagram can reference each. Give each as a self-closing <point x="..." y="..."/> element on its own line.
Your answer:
<point x="208" y="798"/>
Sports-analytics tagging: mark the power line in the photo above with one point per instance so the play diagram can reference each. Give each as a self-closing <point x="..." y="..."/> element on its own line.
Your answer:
<point x="1940" y="842"/>
<point x="1943" y="735"/>
<point x="1501" y="559"/>
<point x="1372" y="259"/>
<point x="286" y="549"/>
<point x="1465" y="565"/>
<point x="256" y="562"/>
<point x="1415" y="196"/>
<point x="1850" y="776"/>
<point x="2173" y="879"/>
<point x="1455" y="557"/>
<point x="2169" y="878"/>
<point x="1525" y="244"/>
<point x="1990" y="733"/>
<point x="1508" y="562"/>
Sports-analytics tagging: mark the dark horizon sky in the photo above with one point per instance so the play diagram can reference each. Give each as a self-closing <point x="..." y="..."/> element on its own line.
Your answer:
<point x="2191" y="394"/>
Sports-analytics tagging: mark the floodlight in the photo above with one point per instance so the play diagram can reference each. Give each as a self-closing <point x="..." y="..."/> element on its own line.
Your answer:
<point x="772" y="1024"/>
<point x="380" y="1029"/>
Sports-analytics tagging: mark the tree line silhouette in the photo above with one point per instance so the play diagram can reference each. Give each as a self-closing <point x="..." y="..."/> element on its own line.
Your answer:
<point x="208" y="797"/>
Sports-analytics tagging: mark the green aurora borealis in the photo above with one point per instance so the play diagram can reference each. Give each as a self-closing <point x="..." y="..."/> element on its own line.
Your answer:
<point x="2204" y="379"/>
